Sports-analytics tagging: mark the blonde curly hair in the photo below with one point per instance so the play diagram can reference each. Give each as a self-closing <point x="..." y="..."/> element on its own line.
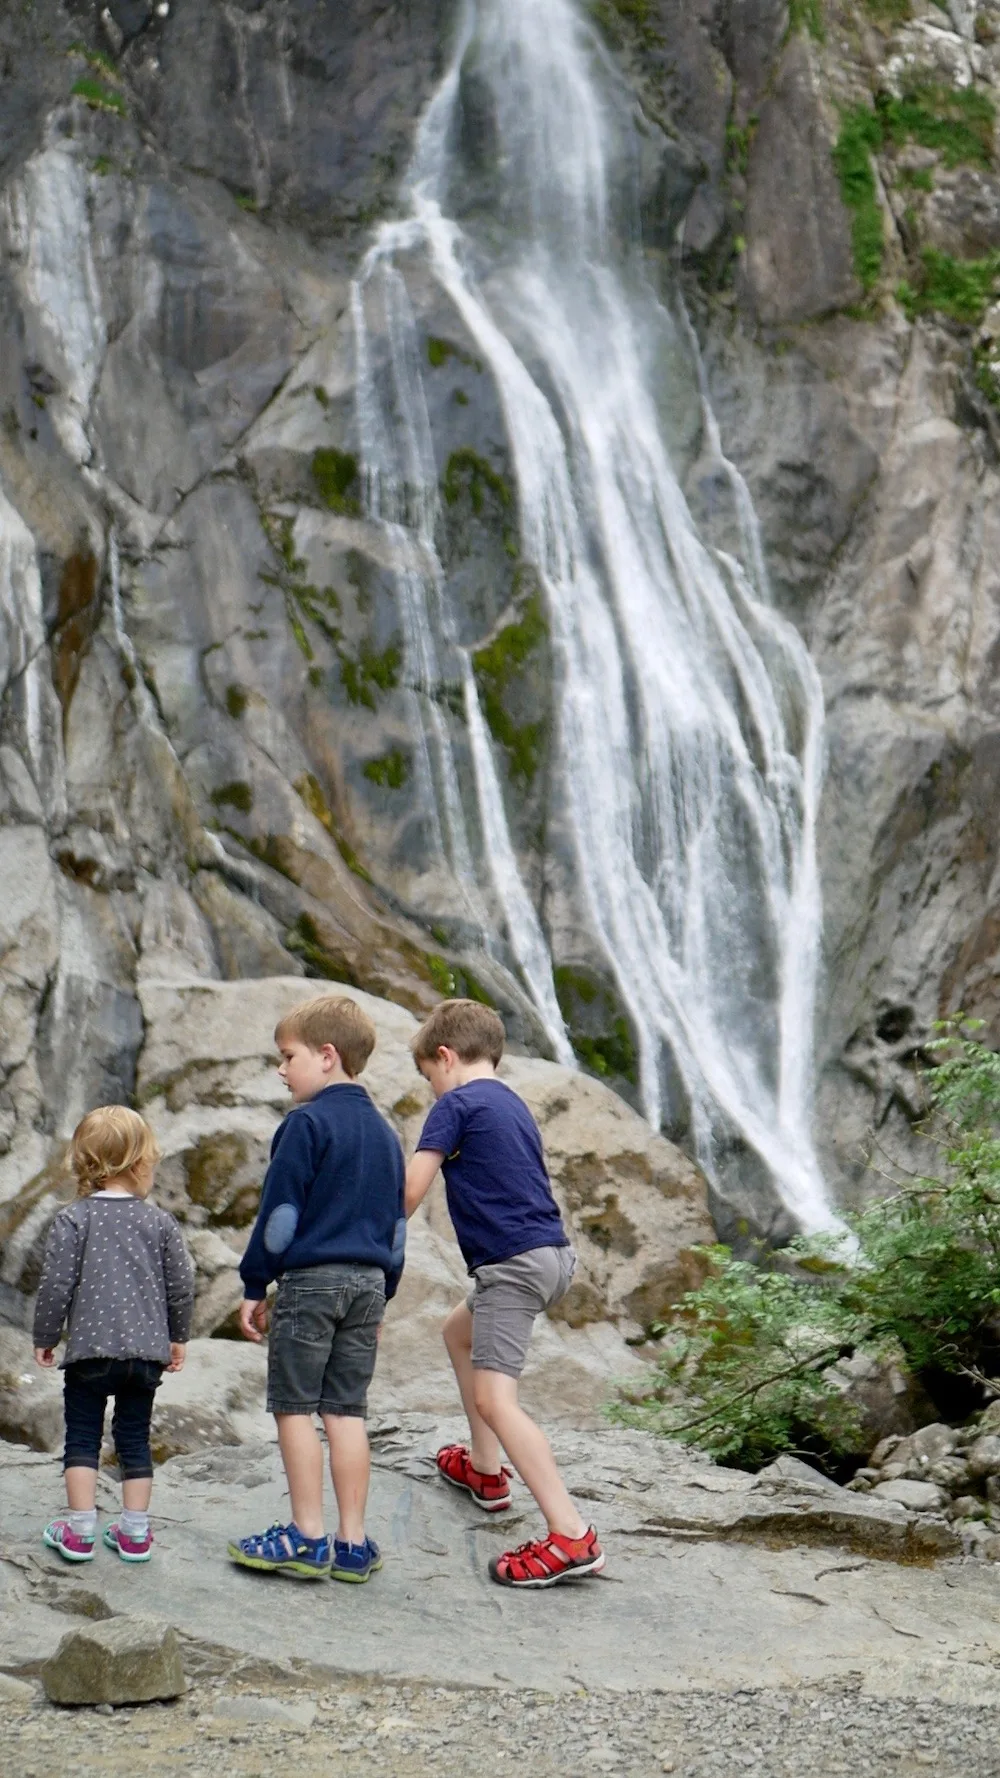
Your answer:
<point x="110" y="1143"/>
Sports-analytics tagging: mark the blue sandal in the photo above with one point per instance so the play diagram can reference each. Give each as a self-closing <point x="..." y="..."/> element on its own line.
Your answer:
<point x="284" y="1549"/>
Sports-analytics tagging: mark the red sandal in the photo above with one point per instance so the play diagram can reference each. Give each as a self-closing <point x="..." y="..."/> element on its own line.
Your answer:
<point x="491" y="1492"/>
<point x="549" y="1560"/>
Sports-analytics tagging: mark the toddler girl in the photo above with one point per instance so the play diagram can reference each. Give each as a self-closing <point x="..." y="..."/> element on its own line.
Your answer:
<point x="116" y="1269"/>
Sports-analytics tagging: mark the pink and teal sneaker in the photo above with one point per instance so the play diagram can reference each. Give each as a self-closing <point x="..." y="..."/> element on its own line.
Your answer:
<point x="59" y="1535"/>
<point x="130" y="1549"/>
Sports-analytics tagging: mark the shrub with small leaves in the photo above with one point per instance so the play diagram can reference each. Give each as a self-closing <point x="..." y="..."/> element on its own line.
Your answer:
<point x="748" y="1362"/>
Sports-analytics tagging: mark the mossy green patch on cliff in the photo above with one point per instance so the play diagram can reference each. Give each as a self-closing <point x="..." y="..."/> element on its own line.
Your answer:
<point x="371" y="673"/>
<point x="807" y="15"/>
<point x="304" y="941"/>
<point x="861" y="137"/>
<point x="889" y="12"/>
<point x="439" y="351"/>
<point x="304" y="603"/>
<point x="98" y="96"/>
<point x="466" y="472"/>
<point x="956" y="122"/>
<point x="309" y="788"/>
<point x="961" y="288"/>
<point x="335" y="474"/>
<point x="236" y="700"/>
<point x="598" y="1029"/>
<point x="496" y="667"/>
<point x="236" y="795"/>
<point x="390" y="770"/>
<point x="636" y="17"/>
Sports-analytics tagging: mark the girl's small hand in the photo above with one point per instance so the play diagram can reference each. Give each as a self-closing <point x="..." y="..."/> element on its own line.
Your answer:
<point x="178" y="1353"/>
<point x="46" y="1356"/>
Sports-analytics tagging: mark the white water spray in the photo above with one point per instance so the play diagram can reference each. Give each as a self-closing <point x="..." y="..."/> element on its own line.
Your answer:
<point x="690" y="715"/>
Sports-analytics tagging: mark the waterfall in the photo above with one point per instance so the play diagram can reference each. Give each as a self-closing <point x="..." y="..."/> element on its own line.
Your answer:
<point x="688" y="740"/>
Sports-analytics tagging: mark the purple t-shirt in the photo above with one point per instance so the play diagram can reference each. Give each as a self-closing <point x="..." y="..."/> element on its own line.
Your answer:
<point x="499" y="1196"/>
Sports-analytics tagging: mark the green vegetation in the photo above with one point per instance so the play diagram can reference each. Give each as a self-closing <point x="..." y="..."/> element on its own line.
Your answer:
<point x="335" y="474"/>
<point x="917" y="178"/>
<point x="237" y="698"/>
<point x="860" y="137"/>
<point x="304" y="603"/>
<point x="496" y="667"/>
<point x="247" y="201"/>
<point x="102" y="166"/>
<point x="807" y="15"/>
<point x="390" y="771"/>
<point x="370" y="673"/>
<point x="467" y="472"/>
<point x="739" y="141"/>
<point x="442" y="976"/>
<point x="961" y="288"/>
<point x="587" y="1005"/>
<point x="304" y="939"/>
<point x="889" y="12"/>
<point x="309" y="788"/>
<point x="98" y="97"/>
<point x="637" y="16"/>
<point x="236" y="795"/>
<point x="439" y="351"/>
<point x="745" y="1369"/>
<point x="957" y="122"/>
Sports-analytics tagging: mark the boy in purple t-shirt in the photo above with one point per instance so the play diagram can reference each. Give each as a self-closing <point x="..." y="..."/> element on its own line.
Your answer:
<point x="487" y="1144"/>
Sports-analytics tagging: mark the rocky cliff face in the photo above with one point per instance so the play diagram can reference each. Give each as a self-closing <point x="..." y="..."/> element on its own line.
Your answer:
<point x="205" y="739"/>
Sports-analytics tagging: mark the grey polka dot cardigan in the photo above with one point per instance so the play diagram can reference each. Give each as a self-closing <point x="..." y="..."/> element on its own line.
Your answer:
<point x="117" y="1271"/>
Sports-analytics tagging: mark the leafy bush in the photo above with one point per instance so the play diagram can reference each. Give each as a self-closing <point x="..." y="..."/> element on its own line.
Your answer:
<point x="746" y="1370"/>
<point x="961" y="288"/>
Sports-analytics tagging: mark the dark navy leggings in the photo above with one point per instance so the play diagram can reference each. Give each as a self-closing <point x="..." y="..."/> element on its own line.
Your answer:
<point x="86" y="1388"/>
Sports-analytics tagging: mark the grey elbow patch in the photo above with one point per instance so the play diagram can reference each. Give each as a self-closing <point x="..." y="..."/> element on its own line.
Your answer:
<point x="279" y="1230"/>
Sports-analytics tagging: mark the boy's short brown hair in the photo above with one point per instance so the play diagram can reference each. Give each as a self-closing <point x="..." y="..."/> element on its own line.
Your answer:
<point x="474" y="1032"/>
<point x="109" y="1143"/>
<point x="331" y="1018"/>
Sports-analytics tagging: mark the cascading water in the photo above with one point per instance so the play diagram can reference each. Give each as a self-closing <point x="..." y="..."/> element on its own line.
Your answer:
<point x="689" y="713"/>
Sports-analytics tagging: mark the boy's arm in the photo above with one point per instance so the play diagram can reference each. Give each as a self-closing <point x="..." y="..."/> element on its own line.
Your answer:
<point x="60" y="1274"/>
<point x="420" y="1174"/>
<point x="286" y="1187"/>
<point x="179" y="1279"/>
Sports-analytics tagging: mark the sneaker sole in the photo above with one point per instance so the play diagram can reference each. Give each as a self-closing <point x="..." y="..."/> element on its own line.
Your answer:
<point x="357" y="1579"/>
<point x="579" y="1571"/>
<point x="293" y="1570"/>
<point x="499" y="1505"/>
<point x="52" y="1543"/>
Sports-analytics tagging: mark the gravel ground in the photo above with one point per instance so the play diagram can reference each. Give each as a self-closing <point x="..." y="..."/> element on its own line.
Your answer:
<point x="405" y="1729"/>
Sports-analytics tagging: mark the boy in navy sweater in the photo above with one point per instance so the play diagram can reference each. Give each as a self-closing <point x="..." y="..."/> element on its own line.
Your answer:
<point x="487" y="1144"/>
<point x="331" y="1228"/>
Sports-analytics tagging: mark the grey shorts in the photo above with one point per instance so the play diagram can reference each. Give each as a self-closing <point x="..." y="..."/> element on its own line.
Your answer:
<point x="324" y="1339"/>
<point x="506" y="1300"/>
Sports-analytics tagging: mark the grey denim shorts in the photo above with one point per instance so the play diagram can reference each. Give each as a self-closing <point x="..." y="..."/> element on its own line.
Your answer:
<point x="506" y="1300"/>
<point x="324" y="1340"/>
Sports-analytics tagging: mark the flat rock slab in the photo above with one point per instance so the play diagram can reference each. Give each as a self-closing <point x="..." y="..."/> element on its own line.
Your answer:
<point x="715" y="1579"/>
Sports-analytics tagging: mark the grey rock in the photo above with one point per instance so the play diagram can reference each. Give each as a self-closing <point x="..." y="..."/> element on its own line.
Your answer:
<point x="920" y="1497"/>
<point x="799" y="260"/>
<point x="792" y="1469"/>
<point x="127" y="1660"/>
<point x="18" y="1692"/>
<point x="264" y="1710"/>
<point x="983" y="1457"/>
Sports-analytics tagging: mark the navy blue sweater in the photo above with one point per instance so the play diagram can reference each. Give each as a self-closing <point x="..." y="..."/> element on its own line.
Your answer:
<point x="333" y="1193"/>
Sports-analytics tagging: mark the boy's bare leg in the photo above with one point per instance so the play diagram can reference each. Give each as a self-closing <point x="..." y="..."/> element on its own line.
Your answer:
<point x="350" y="1469"/>
<point x="528" y="1449"/>
<point x="484" y="1449"/>
<point x="302" y="1456"/>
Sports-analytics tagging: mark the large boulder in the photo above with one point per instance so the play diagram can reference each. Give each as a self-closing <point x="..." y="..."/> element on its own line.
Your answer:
<point x="635" y="1205"/>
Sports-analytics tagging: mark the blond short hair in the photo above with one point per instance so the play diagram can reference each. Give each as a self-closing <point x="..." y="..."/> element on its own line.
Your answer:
<point x="110" y="1143"/>
<point x="476" y="1033"/>
<point x="333" y="1019"/>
